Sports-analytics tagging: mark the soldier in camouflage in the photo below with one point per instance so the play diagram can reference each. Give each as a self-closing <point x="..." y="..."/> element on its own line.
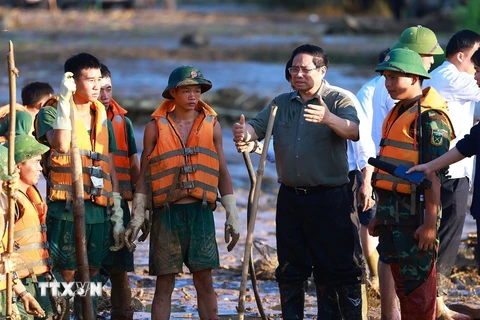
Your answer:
<point x="407" y="217"/>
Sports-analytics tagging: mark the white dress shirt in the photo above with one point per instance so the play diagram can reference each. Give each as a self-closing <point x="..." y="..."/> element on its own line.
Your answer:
<point x="382" y="104"/>
<point x="365" y="147"/>
<point x="461" y="92"/>
<point x="351" y="146"/>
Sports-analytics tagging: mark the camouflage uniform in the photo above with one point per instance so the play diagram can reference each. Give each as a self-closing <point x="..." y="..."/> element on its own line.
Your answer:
<point x="398" y="223"/>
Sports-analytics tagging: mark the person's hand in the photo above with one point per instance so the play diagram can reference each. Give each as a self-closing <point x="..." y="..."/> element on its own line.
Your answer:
<point x="117" y="223"/>
<point x="420" y="168"/>
<point x="147" y="225"/>
<point x="239" y="130"/>
<point x="243" y="146"/>
<point x="9" y="261"/>
<point x="12" y="183"/>
<point x="32" y="306"/>
<point x="232" y="224"/>
<point x="317" y="113"/>
<point x="426" y="236"/>
<point x="138" y="218"/>
<point x="67" y="88"/>
<point x="364" y="196"/>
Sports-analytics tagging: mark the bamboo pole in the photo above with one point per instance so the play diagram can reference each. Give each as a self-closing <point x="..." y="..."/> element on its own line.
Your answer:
<point x="79" y="218"/>
<point x="251" y="266"/>
<point x="251" y="224"/>
<point x="12" y="74"/>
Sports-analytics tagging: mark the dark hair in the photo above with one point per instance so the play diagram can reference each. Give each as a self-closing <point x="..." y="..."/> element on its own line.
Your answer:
<point x="288" y="76"/>
<point x="320" y="57"/>
<point x="80" y="61"/>
<point x="382" y="55"/>
<point x="461" y="41"/>
<point x="105" y="71"/>
<point x="476" y="58"/>
<point x="33" y="92"/>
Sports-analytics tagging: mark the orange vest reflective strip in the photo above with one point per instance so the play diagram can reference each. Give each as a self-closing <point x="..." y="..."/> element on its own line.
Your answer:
<point x="30" y="235"/>
<point x="398" y="146"/>
<point x="122" y="161"/>
<point x="94" y="152"/>
<point x="177" y="170"/>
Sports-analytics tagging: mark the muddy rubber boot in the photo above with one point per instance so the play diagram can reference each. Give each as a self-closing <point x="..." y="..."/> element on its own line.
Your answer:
<point x="350" y="301"/>
<point x="327" y="301"/>
<point x="77" y="308"/>
<point x="292" y="298"/>
<point x="372" y="262"/>
<point x="122" y="314"/>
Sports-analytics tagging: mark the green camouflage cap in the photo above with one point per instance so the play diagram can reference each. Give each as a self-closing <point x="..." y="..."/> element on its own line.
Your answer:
<point x="403" y="60"/>
<point x="26" y="147"/>
<point x="4" y="163"/>
<point x="186" y="76"/>
<point x="419" y="39"/>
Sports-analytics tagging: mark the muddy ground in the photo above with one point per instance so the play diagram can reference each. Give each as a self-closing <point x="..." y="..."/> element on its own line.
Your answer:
<point x="154" y="35"/>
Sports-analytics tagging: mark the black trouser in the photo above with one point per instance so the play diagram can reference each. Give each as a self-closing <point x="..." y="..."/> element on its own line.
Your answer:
<point x="316" y="230"/>
<point x="477" y="220"/>
<point x="454" y="196"/>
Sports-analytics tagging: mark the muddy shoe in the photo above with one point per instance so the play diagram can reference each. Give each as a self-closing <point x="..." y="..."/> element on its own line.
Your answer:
<point x="467" y="309"/>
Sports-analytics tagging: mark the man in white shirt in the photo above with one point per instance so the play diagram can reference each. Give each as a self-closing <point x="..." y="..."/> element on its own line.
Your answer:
<point x="365" y="208"/>
<point x="454" y="80"/>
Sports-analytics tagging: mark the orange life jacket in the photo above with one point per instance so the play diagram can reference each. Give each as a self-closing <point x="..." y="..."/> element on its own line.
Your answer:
<point x="398" y="146"/>
<point x="177" y="170"/>
<point x="5" y="111"/>
<point x="122" y="161"/>
<point x="94" y="152"/>
<point x="30" y="236"/>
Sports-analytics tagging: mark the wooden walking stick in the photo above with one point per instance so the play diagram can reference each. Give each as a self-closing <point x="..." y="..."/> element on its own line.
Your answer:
<point x="251" y="266"/>
<point x="12" y="73"/>
<point x="253" y="214"/>
<point x="79" y="218"/>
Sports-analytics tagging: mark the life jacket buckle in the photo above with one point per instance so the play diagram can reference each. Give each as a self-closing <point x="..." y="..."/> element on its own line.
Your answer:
<point x="94" y="155"/>
<point x="95" y="171"/>
<point x="187" y="184"/>
<point x="188" y="169"/>
<point x="189" y="151"/>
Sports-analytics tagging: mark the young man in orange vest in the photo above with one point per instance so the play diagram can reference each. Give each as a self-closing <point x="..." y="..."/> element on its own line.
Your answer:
<point x="128" y="168"/>
<point x="30" y="235"/>
<point x="184" y="166"/>
<point x="416" y="130"/>
<point x="11" y="262"/>
<point x="97" y="146"/>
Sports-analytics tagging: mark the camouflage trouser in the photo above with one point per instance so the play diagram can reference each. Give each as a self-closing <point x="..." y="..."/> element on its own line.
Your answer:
<point x="398" y="245"/>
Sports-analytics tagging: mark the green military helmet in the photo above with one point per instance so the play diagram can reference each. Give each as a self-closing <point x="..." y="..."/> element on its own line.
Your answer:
<point x="26" y="147"/>
<point x="403" y="60"/>
<point x="186" y="76"/>
<point x="419" y="39"/>
<point x="4" y="163"/>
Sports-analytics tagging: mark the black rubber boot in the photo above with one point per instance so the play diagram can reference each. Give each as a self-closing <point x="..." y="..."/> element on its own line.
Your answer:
<point x="292" y="298"/>
<point x="327" y="301"/>
<point x="102" y="277"/>
<point x="350" y="301"/>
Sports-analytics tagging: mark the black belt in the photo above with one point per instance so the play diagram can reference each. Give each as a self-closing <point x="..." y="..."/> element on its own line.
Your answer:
<point x="307" y="190"/>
